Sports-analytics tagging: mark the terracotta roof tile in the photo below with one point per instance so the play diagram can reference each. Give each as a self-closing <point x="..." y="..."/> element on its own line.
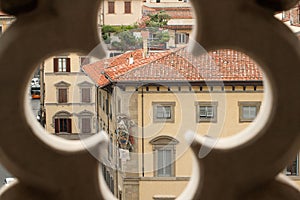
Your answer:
<point x="175" y="65"/>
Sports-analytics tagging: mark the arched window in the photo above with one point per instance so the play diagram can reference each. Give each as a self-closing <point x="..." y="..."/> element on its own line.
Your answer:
<point x="164" y="149"/>
<point x="62" y="122"/>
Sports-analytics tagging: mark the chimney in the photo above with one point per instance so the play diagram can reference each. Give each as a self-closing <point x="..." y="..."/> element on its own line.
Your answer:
<point x="131" y="60"/>
<point x="145" y="36"/>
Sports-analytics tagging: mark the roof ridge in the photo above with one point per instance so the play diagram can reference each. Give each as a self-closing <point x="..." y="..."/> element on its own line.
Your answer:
<point x="165" y="53"/>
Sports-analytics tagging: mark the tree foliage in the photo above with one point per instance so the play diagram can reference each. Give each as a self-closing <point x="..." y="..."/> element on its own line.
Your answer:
<point x="127" y="41"/>
<point x="158" y="19"/>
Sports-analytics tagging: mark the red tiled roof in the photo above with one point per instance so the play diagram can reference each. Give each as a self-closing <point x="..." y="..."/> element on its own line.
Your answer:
<point x="173" y="12"/>
<point x="175" y="65"/>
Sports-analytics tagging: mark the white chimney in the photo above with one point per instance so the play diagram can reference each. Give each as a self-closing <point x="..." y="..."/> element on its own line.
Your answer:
<point x="145" y="36"/>
<point x="131" y="60"/>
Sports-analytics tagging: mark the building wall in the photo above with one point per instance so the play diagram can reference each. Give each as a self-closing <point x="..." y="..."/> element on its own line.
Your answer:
<point x="185" y="119"/>
<point x="166" y="188"/>
<point x="119" y="17"/>
<point x="227" y="124"/>
<point x="74" y="106"/>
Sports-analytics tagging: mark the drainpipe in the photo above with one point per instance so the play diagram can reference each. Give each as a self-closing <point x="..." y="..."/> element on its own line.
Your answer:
<point x="143" y="147"/>
<point x="97" y="108"/>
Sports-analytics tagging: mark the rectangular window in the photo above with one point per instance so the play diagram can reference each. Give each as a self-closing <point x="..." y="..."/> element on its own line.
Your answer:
<point x="119" y="106"/>
<point x="62" y="95"/>
<point x="61" y="64"/>
<point x="63" y="125"/>
<point x="111" y="7"/>
<point x="248" y="111"/>
<point x="164" y="162"/>
<point x="163" y="111"/>
<point x="85" y="95"/>
<point x="86" y="125"/>
<point x="293" y="168"/>
<point x="206" y="111"/>
<point x="84" y="60"/>
<point x="110" y="148"/>
<point x="127" y="7"/>
<point x="181" y="38"/>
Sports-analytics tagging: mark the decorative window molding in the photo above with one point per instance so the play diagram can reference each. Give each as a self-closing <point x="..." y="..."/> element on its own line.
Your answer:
<point x="164" y="111"/>
<point x="85" y="92"/>
<point x="62" y="122"/>
<point x="248" y="110"/>
<point x="85" y="120"/>
<point x="206" y="111"/>
<point x="62" y="90"/>
<point x="164" y="149"/>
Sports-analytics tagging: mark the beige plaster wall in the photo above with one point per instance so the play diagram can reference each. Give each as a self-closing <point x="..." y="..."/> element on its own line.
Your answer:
<point x="74" y="105"/>
<point x="119" y="17"/>
<point x="185" y="119"/>
<point x="171" y="188"/>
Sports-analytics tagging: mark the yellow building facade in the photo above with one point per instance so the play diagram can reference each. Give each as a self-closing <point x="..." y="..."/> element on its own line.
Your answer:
<point x="69" y="97"/>
<point x="149" y="110"/>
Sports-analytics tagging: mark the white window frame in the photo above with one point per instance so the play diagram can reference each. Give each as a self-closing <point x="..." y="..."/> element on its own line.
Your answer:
<point x="159" y="105"/>
<point x="206" y="105"/>
<point x="164" y="143"/>
<point x="249" y="104"/>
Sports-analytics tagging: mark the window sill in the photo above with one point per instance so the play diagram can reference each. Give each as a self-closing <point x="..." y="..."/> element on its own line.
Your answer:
<point x="163" y="121"/>
<point x="172" y="178"/>
<point x="61" y="73"/>
<point x="206" y="121"/>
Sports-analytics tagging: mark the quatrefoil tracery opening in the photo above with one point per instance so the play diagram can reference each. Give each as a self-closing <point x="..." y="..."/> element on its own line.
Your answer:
<point x="278" y="80"/>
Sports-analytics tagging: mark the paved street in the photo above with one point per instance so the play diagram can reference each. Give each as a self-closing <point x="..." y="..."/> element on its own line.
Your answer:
<point x="35" y="104"/>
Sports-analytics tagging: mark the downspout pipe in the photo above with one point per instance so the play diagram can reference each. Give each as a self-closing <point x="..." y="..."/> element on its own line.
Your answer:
<point x="143" y="140"/>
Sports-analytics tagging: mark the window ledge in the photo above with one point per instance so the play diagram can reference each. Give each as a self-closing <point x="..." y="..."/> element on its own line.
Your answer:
<point x="165" y="178"/>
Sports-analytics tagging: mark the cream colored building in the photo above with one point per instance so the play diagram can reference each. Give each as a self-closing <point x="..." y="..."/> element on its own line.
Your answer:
<point x="148" y="104"/>
<point x="120" y="12"/>
<point x="69" y="97"/>
<point x="182" y="20"/>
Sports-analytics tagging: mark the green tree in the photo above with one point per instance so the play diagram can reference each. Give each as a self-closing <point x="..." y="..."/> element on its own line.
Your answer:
<point x="127" y="41"/>
<point x="159" y="19"/>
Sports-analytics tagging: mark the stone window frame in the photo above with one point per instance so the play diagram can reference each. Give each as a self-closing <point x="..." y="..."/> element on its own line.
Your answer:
<point x="85" y="85"/>
<point x="213" y="104"/>
<point x="157" y="120"/>
<point x="241" y="104"/>
<point x="167" y="143"/>
<point x="62" y="115"/>
<point x="62" y="85"/>
<point x="85" y="114"/>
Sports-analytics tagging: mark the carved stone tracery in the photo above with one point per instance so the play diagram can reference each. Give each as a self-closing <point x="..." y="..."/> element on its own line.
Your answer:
<point x="44" y="28"/>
